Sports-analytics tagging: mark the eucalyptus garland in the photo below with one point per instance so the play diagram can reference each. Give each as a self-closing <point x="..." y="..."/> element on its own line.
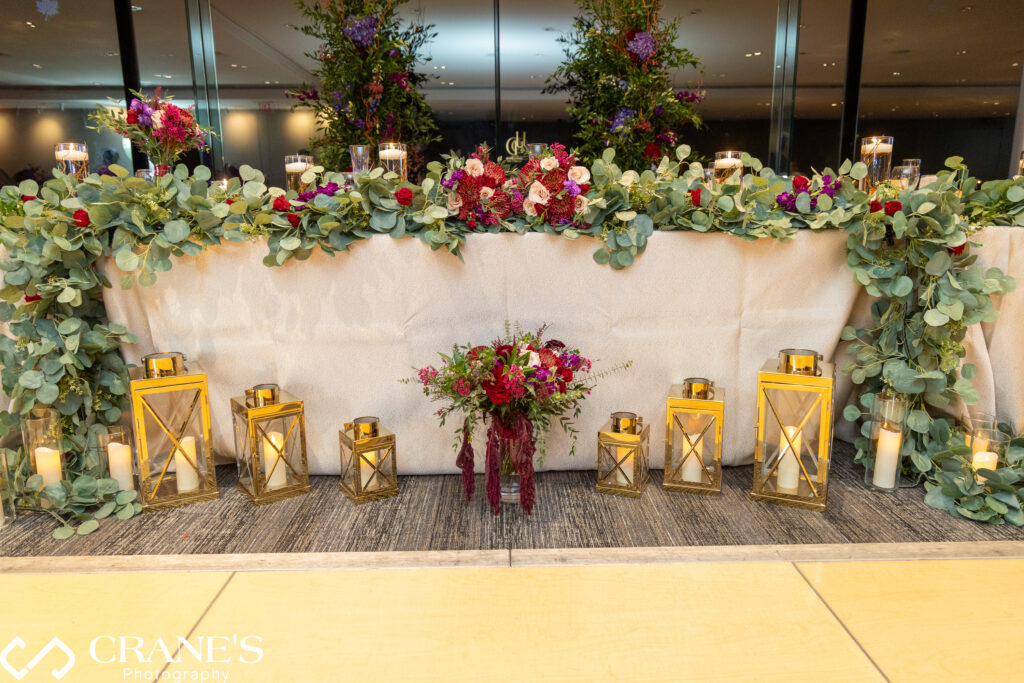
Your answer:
<point x="910" y="249"/>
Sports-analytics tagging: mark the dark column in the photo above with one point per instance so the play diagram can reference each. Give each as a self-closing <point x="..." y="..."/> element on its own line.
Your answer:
<point x="498" y="148"/>
<point x="851" y="90"/>
<point x="129" y="63"/>
<point x="787" y="33"/>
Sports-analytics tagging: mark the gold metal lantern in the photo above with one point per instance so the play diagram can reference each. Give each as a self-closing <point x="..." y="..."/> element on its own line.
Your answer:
<point x="368" y="467"/>
<point x="693" y="437"/>
<point x="794" y="430"/>
<point x="270" y="444"/>
<point x="622" y="450"/>
<point x="171" y="421"/>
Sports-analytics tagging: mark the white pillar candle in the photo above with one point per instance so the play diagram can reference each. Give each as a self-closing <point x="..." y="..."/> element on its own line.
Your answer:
<point x="624" y="476"/>
<point x="875" y="148"/>
<point x="693" y="470"/>
<point x="788" y="476"/>
<point x="985" y="459"/>
<point x="187" y="475"/>
<point x="887" y="458"/>
<point x="366" y="471"/>
<point x="48" y="465"/>
<point x="273" y="460"/>
<point x="119" y="461"/>
<point x="71" y="155"/>
<point x="297" y="167"/>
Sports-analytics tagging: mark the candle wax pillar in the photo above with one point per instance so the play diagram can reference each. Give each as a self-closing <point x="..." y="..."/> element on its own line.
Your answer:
<point x="366" y="470"/>
<point x="788" y="474"/>
<point x="185" y="466"/>
<point x="119" y="461"/>
<point x="985" y="459"/>
<point x="48" y="465"/>
<point x="693" y="470"/>
<point x="887" y="458"/>
<point x="273" y="452"/>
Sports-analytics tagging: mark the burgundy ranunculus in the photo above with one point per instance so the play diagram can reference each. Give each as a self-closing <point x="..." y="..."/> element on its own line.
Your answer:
<point x="554" y="344"/>
<point x="404" y="196"/>
<point x="875" y="206"/>
<point x="498" y="393"/>
<point x="294" y="219"/>
<point x="892" y="207"/>
<point x="281" y="203"/>
<point x="800" y="184"/>
<point x="503" y="350"/>
<point x="695" y="197"/>
<point x="81" y="218"/>
<point x="32" y="297"/>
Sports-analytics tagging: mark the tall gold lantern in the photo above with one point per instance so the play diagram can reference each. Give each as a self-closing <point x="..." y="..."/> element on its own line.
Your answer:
<point x="693" y="437"/>
<point x="171" y="421"/>
<point x="270" y="444"/>
<point x="622" y="455"/>
<point x="369" y="470"/>
<point x="794" y="430"/>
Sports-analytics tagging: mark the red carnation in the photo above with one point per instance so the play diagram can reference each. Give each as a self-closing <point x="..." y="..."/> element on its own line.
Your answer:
<point x="892" y="207"/>
<point x="874" y="206"/>
<point x="501" y="204"/>
<point x="32" y="297"/>
<point x="404" y="196"/>
<point x="957" y="251"/>
<point x="652" y="151"/>
<point x="695" y="197"/>
<point x="800" y="184"/>
<point x="27" y="197"/>
<point x="281" y="203"/>
<point x="294" y="219"/>
<point x="81" y="218"/>
<point x="565" y="374"/>
<point x="494" y="175"/>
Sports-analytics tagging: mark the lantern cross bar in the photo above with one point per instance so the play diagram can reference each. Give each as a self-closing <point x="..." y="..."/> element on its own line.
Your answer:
<point x="785" y="434"/>
<point x="690" y="446"/>
<point x="174" y="439"/>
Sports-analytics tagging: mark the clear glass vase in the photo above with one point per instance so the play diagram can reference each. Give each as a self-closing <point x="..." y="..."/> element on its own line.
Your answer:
<point x="509" y="482"/>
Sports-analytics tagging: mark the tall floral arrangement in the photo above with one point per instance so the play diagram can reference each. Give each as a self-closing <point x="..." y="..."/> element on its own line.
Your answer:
<point x="620" y="59"/>
<point x="161" y="129"/>
<point x="368" y="88"/>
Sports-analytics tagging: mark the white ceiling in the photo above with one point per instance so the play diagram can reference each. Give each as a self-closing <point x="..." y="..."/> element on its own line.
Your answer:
<point x="923" y="57"/>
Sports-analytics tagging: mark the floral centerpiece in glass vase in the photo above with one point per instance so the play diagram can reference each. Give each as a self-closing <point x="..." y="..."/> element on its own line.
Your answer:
<point x="164" y="131"/>
<point x="518" y="383"/>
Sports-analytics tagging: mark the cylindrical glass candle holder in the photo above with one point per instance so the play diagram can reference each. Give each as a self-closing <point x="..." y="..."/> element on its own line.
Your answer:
<point x="115" y="445"/>
<point x="72" y="159"/>
<point x="294" y="166"/>
<point x="913" y="162"/>
<point x="535" y="150"/>
<point x="981" y="420"/>
<point x="394" y="158"/>
<point x="362" y="158"/>
<point x="988" y="448"/>
<point x="876" y="154"/>
<point x="41" y="437"/>
<point x="6" y="494"/>
<point x="887" y="417"/>
<point x="726" y="164"/>
<point x="906" y="176"/>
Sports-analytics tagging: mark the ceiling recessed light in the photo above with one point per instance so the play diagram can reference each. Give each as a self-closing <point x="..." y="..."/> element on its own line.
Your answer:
<point x="895" y="73"/>
<point x="757" y="54"/>
<point x="1015" y="64"/>
<point x="266" y="82"/>
<point x="38" y="66"/>
<point x="834" y="104"/>
<point x="244" y="66"/>
<point x="111" y="54"/>
<point x="451" y="82"/>
<point x="30" y="24"/>
<point x="749" y="54"/>
<point x="234" y="66"/>
<point x="442" y="66"/>
<point x="136" y="8"/>
<point x="168" y="76"/>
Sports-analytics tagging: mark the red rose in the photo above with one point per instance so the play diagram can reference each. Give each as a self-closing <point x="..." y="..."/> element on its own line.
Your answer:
<point x="957" y="251"/>
<point x="294" y="219"/>
<point x="81" y="218"/>
<point x="281" y="203"/>
<point x="32" y="297"/>
<point x="892" y="207"/>
<point x="132" y="117"/>
<point x="652" y="151"/>
<point x="503" y="350"/>
<point x="404" y="196"/>
<point x="695" y="197"/>
<point x="800" y="184"/>
<point x="565" y="374"/>
<point x="27" y="197"/>
<point x="874" y="206"/>
<point x="229" y="202"/>
<point x="497" y="393"/>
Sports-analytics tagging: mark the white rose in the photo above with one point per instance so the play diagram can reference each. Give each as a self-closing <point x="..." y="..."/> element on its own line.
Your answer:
<point x="454" y="203"/>
<point x="158" y="118"/>
<point x="486" y="192"/>
<point x="529" y="208"/>
<point x="581" y="204"/>
<point x="538" y="193"/>
<point x="629" y="178"/>
<point x="534" y="356"/>
<point x="549" y="163"/>
<point x="475" y="167"/>
<point x="579" y="175"/>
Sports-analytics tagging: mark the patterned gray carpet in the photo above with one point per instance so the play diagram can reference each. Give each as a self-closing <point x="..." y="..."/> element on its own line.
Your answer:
<point x="432" y="514"/>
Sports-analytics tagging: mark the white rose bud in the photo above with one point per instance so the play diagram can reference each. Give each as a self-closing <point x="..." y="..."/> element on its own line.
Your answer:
<point x="549" y="163"/>
<point x="529" y="208"/>
<point x="579" y="175"/>
<point x="475" y="167"/>
<point x="538" y="193"/>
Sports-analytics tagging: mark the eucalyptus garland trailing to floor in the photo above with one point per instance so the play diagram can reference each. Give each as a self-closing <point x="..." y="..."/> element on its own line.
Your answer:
<point x="910" y="249"/>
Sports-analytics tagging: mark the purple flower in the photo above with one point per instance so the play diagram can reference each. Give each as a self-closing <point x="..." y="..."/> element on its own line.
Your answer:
<point x="691" y="96"/>
<point x="666" y="138"/>
<point x="143" y="111"/>
<point x="786" y="201"/>
<point x="621" y="118"/>
<point x="829" y="190"/>
<point x="394" y="52"/>
<point x="659" y="110"/>
<point x="642" y="45"/>
<point x="571" y="185"/>
<point x="401" y="79"/>
<point x="362" y="30"/>
<point x="623" y="83"/>
<point x="360" y="124"/>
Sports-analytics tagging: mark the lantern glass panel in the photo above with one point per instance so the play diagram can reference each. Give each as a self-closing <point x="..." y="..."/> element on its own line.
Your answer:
<point x="791" y="462"/>
<point x="6" y="494"/>
<point x="694" y="434"/>
<point x="179" y="468"/>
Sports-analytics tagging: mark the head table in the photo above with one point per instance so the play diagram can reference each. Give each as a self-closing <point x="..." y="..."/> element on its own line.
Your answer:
<point x="340" y="332"/>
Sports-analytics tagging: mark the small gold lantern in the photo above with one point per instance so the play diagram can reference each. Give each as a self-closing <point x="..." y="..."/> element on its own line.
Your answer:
<point x="794" y="430"/>
<point x="622" y="447"/>
<point x="368" y="467"/>
<point x="171" y="421"/>
<point x="270" y="444"/>
<point x="693" y="437"/>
